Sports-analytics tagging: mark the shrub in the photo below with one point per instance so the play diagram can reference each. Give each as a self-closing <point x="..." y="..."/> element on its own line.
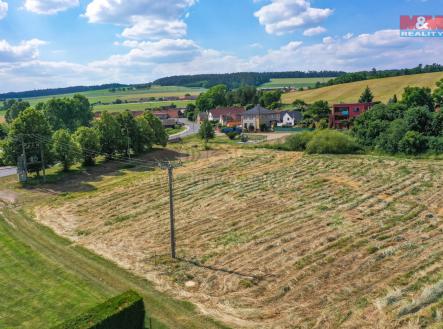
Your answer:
<point x="435" y="144"/>
<point x="232" y="135"/>
<point x="298" y="141"/>
<point x="331" y="142"/>
<point x="123" y="311"/>
<point x="412" y="143"/>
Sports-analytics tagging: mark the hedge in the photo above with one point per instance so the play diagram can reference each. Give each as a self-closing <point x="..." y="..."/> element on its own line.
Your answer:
<point x="123" y="311"/>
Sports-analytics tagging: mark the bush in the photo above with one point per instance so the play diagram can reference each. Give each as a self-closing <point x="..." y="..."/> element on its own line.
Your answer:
<point x="124" y="311"/>
<point x="412" y="143"/>
<point x="435" y="144"/>
<point x="232" y="135"/>
<point x="298" y="141"/>
<point x="331" y="142"/>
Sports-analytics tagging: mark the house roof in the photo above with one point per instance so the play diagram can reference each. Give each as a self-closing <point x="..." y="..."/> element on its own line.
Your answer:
<point x="258" y="110"/>
<point x="227" y="111"/>
<point x="296" y="115"/>
<point x="203" y="115"/>
<point x="171" y="113"/>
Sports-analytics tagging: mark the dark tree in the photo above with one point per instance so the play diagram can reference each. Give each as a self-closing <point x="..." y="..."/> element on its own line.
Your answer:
<point x="366" y="96"/>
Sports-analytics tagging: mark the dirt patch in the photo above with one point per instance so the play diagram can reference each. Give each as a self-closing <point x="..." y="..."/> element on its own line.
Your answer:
<point x="8" y="196"/>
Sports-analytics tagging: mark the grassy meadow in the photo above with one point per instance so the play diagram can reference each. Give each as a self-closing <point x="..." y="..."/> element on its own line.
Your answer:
<point x="293" y="82"/>
<point x="283" y="237"/>
<point x="45" y="279"/>
<point x="106" y="96"/>
<point x="138" y="106"/>
<point x="383" y="89"/>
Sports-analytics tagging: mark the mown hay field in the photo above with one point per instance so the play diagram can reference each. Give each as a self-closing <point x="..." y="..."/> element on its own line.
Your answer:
<point x="275" y="239"/>
<point x="383" y="89"/>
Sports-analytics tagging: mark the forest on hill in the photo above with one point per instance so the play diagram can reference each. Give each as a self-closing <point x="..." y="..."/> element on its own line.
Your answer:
<point x="235" y="80"/>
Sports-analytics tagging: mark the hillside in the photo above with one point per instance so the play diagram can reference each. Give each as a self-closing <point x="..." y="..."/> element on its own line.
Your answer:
<point x="268" y="237"/>
<point x="383" y="89"/>
<point x="235" y="80"/>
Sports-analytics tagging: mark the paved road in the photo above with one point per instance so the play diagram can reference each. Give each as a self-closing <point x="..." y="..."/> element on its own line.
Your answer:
<point x="192" y="128"/>
<point x="7" y="171"/>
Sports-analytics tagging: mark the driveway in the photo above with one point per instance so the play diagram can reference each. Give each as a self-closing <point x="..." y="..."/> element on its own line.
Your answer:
<point x="7" y="171"/>
<point x="191" y="129"/>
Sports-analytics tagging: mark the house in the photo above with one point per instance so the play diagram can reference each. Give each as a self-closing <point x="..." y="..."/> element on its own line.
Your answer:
<point x="290" y="118"/>
<point x="225" y="115"/>
<point x="259" y="116"/>
<point x="342" y="114"/>
<point x="202" y="116"/>
<point x="173" y="113"/>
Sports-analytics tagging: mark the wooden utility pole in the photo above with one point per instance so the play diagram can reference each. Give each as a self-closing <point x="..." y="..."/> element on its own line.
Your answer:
<point x="42" y="156"/>
<point x="171" y="209"/>
<point x="170" y="167"/>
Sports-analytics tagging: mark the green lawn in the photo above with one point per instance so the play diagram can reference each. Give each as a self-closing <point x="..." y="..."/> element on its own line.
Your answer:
<point x="138" y="106"/>
<point x="293" y="82"/>
<point x="36" y="292"/>
<point x="172" y="131"/>
<point x="106" y="96"/>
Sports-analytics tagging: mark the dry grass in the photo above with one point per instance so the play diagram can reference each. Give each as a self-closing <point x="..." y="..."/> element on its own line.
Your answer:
<point x="383" y="89"/>
<point x="277" y="239"/>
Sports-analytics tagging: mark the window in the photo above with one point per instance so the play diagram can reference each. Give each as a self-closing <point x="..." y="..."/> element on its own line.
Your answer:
<point x="357" y="109"/>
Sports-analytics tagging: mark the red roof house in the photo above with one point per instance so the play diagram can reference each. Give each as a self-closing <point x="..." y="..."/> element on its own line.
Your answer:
<point x="342" y="114"/>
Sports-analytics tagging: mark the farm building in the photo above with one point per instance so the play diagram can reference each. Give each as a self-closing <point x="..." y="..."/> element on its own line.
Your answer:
<point x="225" y="115"/>
<point x="342" y="114"/>
<point x="259" y="116"/>
<point x="169" y="114"/>
<point x="290" y="118"/>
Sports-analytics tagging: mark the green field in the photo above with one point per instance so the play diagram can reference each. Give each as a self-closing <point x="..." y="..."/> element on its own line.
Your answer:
<point x="45" y="279"/>
<point x="294" y="82"/>
<point x="106" y="96"/>
<point x="36" y="292"/>
<point x="138" y="106"/>
<point x="383" y="89"/>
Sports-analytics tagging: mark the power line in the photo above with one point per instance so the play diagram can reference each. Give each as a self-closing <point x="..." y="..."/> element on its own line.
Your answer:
<point x="140" y="163"/>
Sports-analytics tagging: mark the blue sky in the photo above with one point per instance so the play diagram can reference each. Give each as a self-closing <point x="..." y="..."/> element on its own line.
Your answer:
<point x="55" y="43"/>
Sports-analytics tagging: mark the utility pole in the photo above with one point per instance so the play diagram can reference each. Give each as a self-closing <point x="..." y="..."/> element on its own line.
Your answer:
<point x="171" y="210"/>
<point x="25" y="164"/>
<point x="42" y="156"/>
<point x="170" y="167"/>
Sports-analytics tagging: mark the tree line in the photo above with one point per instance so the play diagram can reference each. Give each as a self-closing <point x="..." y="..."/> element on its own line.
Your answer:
<point x="58" y="91"/>
<point x="236" y="80"/>
<point x="409" y="126"/>
<point x="63" y="130"/>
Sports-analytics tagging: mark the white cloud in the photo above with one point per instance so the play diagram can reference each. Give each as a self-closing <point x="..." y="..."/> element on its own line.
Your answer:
<point x="285" y="16"/>
<point x="348" y="36"/>
<point x="25" y="51"/>
<point x="3" y="9"/>
<point x="314" y="31"/>
<point x="382" y="49"/>
<point x="144" y="61"/>
<point x="143" y="19"/>
<point x="49" y="7"/>
<point x="154" y="28"/>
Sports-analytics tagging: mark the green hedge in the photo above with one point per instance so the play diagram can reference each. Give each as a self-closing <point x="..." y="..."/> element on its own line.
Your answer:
<point x="123" y="311"/>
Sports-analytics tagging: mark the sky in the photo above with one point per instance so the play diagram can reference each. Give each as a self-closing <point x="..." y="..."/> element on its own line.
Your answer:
<point x="59" y="43"/>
